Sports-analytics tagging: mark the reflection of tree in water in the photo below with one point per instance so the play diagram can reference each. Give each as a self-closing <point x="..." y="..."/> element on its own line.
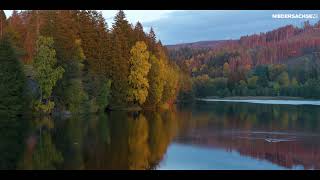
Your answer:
<point x="259" y="116"/>
<point x="44" y="154"/>
<point x="156" y="138"/>
<point x="108" y="148"/>
<point x="69" y="137"/>
<point x="128" y="140"/>
<point x="139" y="153"/>
<point x="12" y="136"/>
<point x="162" y="128"/>
<point x="231" y="125"/>
<point x="118" y="140"/>
<point x="97" y="143"/>
<point x="124" y="140"/>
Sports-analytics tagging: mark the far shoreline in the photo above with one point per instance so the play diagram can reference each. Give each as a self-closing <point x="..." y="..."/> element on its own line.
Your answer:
<point x="280" y="100"/>
<point x="256" y="98"/>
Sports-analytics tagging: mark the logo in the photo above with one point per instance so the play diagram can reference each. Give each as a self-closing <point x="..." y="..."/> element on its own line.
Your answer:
<point x="295" y="16"/>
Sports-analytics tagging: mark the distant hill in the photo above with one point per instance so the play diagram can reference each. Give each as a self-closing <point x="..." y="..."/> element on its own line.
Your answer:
<point x="273" y="47"/>
<point x="281" y="62"/>
<point x="199" y="44"/>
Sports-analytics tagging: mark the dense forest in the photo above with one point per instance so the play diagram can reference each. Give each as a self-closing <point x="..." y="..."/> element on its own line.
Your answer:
<point x="282" y="62"/>
<point x="78" y="94"/>
<point x="70" y="61"/>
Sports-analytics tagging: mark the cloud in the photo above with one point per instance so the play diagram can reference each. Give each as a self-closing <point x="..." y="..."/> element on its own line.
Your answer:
<point x="200" y="25"/>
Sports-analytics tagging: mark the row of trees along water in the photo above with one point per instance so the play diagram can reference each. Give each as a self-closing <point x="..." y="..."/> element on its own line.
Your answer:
<point x="283" y="62"/>
<point x="71" y="61"/>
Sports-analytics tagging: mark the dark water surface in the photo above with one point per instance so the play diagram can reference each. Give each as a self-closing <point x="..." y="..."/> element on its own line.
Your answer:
<point x="212" y="135"/>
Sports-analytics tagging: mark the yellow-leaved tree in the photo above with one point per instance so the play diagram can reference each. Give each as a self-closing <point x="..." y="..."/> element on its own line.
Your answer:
<point x="170" y="88"/>
<point x="156" y="77"/>
<point x="138" y="71"/>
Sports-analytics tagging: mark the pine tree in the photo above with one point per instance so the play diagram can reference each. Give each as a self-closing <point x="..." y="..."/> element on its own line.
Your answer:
<point x="139" y="34"/>
<point x="120" y="55"/>
<point x="74" y="95"/>
<point x="104" y="95"/>
<point x="34" y="21"/>
<point x="16" y="30"/>
<point x="96" y="45"/>
<point x="152" y="35"/>
<point x="3" y="23"/>
<point x="13" y="106"/>
<point x="95" y="41"/>
<point x="12" y="82"/>
<point x="103" y="45"/>
<point x="152" y="42"/>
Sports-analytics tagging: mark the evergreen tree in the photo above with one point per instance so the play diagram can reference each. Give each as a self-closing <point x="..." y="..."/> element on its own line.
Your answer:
<point x="104" y="95"/>
<point x="34" y="22"/>
<point x="120" y="55"/>
<point x="13" y="106"/>
<point x="3" y="23"/>
<point x="152" y="42"/>
<point x="95" y="41"/>
<point x="13" y="82"/>
<point x="139" y="34"/>
<point x="152" y="35"/>
<point x="75" y="97"/>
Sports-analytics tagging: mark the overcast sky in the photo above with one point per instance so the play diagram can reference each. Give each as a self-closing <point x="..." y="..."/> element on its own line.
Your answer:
<point x="178" y="26"/>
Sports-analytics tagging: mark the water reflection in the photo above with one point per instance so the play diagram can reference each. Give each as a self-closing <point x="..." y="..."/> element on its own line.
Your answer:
<point x="213" y="135"/>
<point x="12" y="136"/>
<point x="117" y="140"/>
<point x="127" y="141"/>
<point x="41" y="152"/>
<point x="285" y="135"/>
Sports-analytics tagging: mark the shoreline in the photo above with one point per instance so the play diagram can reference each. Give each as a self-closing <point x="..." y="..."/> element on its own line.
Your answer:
<point x="264" y="100"/>
<point x="257" y="98"/>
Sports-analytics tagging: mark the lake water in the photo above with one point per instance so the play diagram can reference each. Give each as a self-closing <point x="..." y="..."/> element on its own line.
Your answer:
<point x="206" y="135"/>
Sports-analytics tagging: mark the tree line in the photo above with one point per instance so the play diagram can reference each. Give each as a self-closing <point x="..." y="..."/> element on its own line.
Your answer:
<point x="70" y="60"/>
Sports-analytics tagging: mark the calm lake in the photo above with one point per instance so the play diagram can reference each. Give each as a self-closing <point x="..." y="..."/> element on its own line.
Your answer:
<point x="206" y="135"/>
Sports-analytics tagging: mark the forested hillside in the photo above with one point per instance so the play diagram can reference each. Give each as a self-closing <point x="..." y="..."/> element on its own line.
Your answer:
<point x="74" y="62"/>
<point x="282" y="62"/>
<point x="198" y="45"/>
